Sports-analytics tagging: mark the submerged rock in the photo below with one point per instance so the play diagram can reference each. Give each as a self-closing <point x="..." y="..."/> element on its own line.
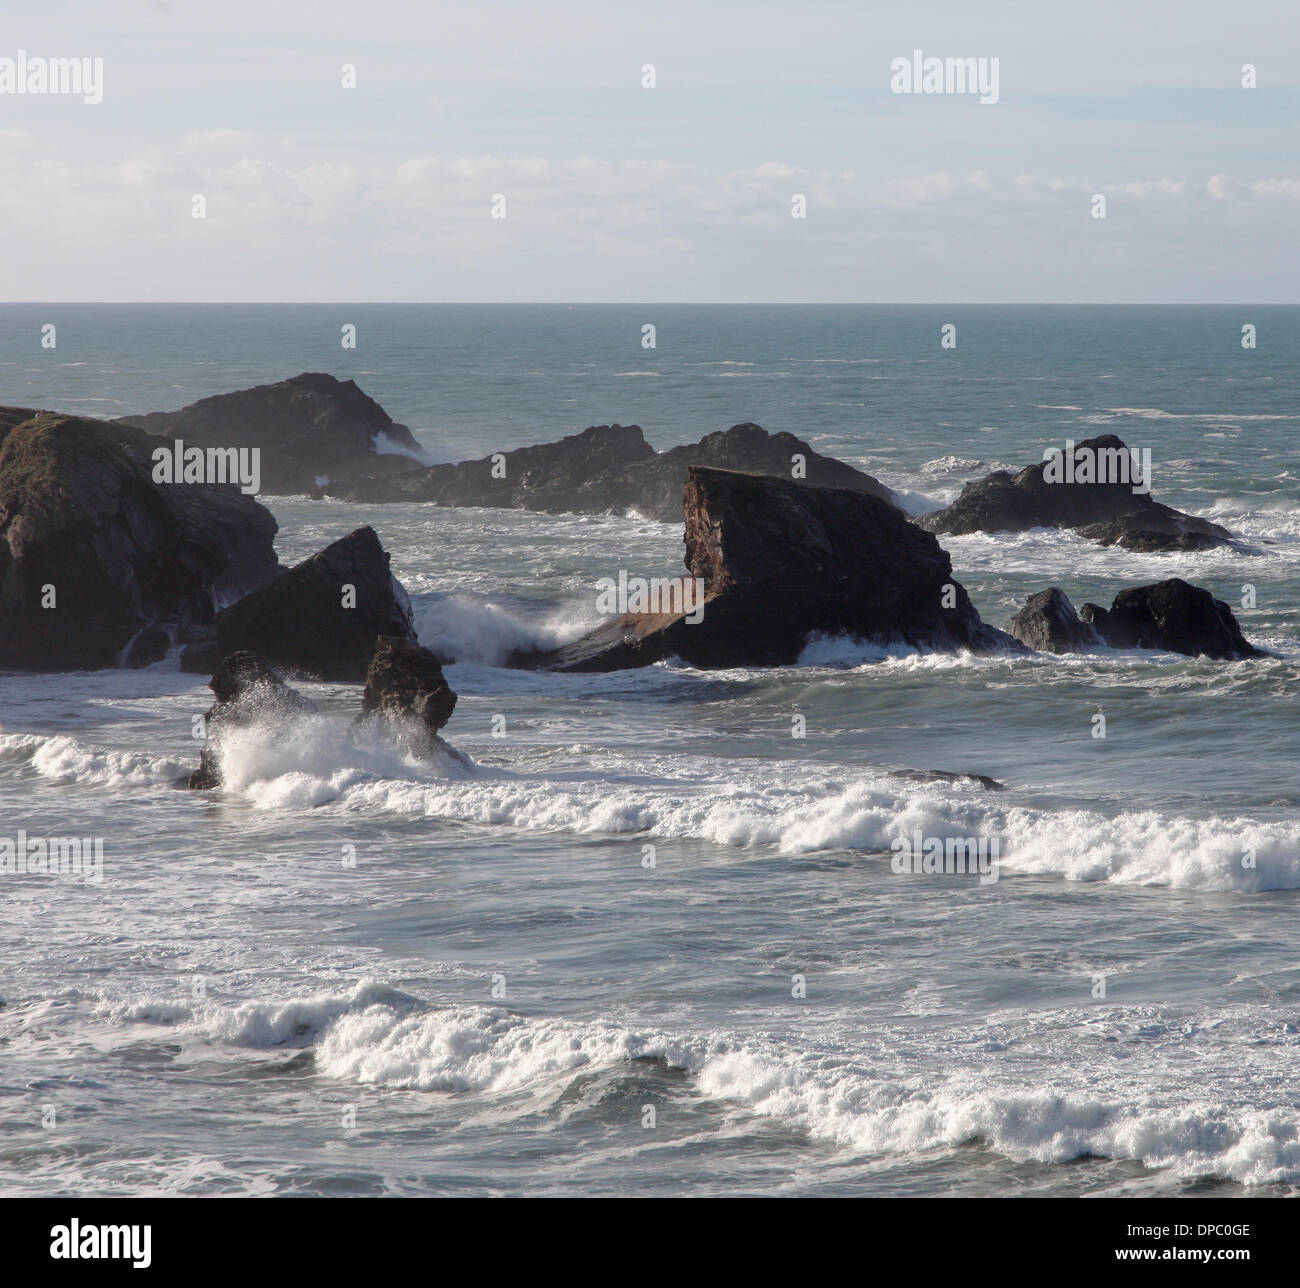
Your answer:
<point x="778" y="562"/>
<point x="947" y="776"/>
<point x="1049" y="624"/>
<point x="310" y="426"/>
<point x="1109" y="512"/>
<point x="1174" y="616"/>
<point x="608" y="469"/>
<point x="1157" y="530"/>
<point x="98" y="563"/>
<point x="248" y="691"/>
<point x="321" y="617"/>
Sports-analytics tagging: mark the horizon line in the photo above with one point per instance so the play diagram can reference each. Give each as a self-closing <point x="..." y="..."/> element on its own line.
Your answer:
<point x="797" y="304"/>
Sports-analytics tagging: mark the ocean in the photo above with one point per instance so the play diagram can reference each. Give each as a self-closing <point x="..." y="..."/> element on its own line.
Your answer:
<point x="649" y="941"/>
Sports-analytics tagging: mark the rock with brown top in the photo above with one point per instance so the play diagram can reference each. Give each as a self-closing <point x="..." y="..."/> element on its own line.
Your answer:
<point x="779" y="562"/>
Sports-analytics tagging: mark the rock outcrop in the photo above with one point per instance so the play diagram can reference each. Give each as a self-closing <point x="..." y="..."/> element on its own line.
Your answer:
<point x="99" y="564"/>
<point x="557" y="478"/>
<point x="779" y="562"/>
<point x="404" y="685"/>
<point x="308" y="427"/>
<point x="608" y="469"/>
<point x="1049" y="624"/>
<point x="320" y="618"/>
<point x="248" y="692"/>
<point x="1158" y="530"/>
<point x="404" y="682"/>
<point x="1109" y="512"/>
<point x="1174" y="616"/>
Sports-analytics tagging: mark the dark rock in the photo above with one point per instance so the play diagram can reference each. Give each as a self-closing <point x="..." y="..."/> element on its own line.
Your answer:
<point x="778" y="562"/>
<point x="247" y="691"/>
<point x="653" y="487"/>
<point x="12" y="417"/>
<point x="608" y="469"/>
<point x="1174" y="616"/>
<point x="561" y="477"/>
<point x="151" y="645"/>
<point x="79" y="511"/>
<point x="306" y="427"/>
<point x="406" y="681"/>
<point x="1157" y="530"/>
<point x="1107" y="512"/>
<point x="1049" y="624"/>
<point x="299" y="621"/>
<point x="947" y="776"/>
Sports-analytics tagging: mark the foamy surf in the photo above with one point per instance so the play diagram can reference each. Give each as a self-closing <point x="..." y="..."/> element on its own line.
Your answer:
<point x="1154" y="1110"/>
<point x="327" y="761"/>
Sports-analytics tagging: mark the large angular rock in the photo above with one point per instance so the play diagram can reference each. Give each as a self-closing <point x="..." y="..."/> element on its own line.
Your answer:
<point x="310" y="426"/>
<point x="248" y="691"/>
<point x="608" y="469"/>
<point x="98" y="563"/>
<point x="1049" y="624"/>
<point x="320" y="618"/>
<point x="778" y="562"/>
<point x="1174" y="616"/>
<point x="1109" y="512"/>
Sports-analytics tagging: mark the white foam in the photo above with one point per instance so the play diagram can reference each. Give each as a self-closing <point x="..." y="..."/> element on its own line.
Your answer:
<point x="862" y="1101"/>
<point x="794" y="810"/>
<point x="385" y="446"/>
<point x="310" y="759"/>
<point x="66" y="758"/>
<point x="476" y="630"/>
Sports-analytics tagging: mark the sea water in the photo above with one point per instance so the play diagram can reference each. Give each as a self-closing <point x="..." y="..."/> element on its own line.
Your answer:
<point x="649" y="941"/>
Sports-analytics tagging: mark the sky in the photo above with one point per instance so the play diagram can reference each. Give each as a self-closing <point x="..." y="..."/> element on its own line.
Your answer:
<point x="614" y="192"/>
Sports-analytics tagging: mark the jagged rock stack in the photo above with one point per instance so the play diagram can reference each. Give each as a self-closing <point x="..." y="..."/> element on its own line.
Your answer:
<point x="608" y="469"/>
<point x="405" y="680"/>
<point x="404" y="684"/>
<point x="247" y="691"/>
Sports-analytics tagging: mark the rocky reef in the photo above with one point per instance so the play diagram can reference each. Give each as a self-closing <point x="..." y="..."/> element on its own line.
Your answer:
<point x="1170" y="615"/>
<point x="1109" y="512"/>
<point x="608" y="469"/>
